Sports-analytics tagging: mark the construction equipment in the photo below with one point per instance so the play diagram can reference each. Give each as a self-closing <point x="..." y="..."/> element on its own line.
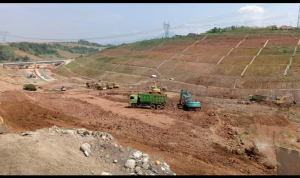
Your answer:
<point x="115" y="84"/>
<point x="109" y="86"/>
<point x="96" y="86"/>
<point x="30" y="87"/>
<point x="142" y="99"/>
<point x="185" y="101"/>
<point x="155" y="89"/>
<point x="3" y="127"/>
<point x="63" y="88"/>
<point x="279" y="100"/>
<point x="31" y="76"/>
<point x="256" y="97"/>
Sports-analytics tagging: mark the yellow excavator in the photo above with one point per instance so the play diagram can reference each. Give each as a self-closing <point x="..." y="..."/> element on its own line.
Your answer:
<point x="115" y="84"/>
<point x="109" y="86"/>
<point x="279" y="100"/>
<point x="154" y="89"/>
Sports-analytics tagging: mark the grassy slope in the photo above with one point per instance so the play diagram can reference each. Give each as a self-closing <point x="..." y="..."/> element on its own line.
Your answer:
<point x="189" y="60"/>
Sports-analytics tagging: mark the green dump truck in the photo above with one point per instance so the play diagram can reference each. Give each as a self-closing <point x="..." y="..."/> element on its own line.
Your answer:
<point x="152" y="100"/>
<point x="257" y="97"/>
<point x="30" y="87"/>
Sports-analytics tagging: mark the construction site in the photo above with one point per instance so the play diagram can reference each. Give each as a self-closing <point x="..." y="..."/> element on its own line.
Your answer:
<point x="199" y="105"/>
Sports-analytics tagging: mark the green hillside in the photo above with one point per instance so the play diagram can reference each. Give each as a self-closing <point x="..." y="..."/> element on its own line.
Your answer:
<point x="244" y="60"/>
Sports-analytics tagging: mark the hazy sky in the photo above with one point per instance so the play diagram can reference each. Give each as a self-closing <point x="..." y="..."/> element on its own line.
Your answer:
<point x="73" y="21"/>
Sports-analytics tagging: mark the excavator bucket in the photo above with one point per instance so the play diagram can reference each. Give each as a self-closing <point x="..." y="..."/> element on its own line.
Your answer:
<point x="3" y="127"/>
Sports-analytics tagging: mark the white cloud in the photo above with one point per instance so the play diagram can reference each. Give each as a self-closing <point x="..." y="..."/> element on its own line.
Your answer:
<point x="254" y="9"/>
<point x="252" y="13"/>
<point x="135" y="31"/>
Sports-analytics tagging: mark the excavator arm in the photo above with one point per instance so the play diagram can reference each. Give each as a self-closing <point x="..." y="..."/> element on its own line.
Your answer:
<point x="184" y="92"/>
<point x="288" y="95"/>
<point x="278" y="101"/>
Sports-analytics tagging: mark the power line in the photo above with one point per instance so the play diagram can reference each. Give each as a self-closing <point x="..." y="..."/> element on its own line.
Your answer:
<point x="166" y="28"/>
<point x="225" y="16"/>
<point x="4" y="34"/>
<point x="245" y="22"/>
<point x="154" y="30"/>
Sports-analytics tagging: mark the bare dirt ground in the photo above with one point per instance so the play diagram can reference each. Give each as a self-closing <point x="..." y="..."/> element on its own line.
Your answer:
<point x="22" y="53"/>
<point x="227" y="137"/>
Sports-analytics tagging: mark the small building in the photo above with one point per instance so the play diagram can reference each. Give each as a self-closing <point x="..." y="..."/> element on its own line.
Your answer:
<point x="285" y="27"/>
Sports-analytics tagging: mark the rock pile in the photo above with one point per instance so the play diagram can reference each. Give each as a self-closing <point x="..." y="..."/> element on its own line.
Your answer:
<point x="103" y="147"/>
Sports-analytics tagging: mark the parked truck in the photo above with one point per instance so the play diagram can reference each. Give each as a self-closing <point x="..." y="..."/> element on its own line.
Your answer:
<point x="30" y="87"/>
<point x="257" y="97"/>
<point x="152" y="100"/>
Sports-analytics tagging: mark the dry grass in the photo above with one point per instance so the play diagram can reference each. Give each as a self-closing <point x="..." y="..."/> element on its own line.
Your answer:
<point x="271" y="60"/>
<point x="170" y="49"/>
<point x="67" y="54"/>
<point x="136" y="71"/>
<point x="277" y="51"/>
<point x="283" y="42"/>
<point x="204" y="58"/>
<point x="145" y="62"/>
<point x="198" y="64"/>
<point x="228" y="70"/>
<point x="218" y="43"/>
<point x="196" y="49"/>
<point x="252" y="43"/>
<point x="225" y="37"/>
<point x="244" y="52"/>
<point x="238" y="60"/>
<point x="263" y="70"/>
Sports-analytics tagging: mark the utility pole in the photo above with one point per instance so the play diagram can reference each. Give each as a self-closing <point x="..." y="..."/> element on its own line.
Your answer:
<point x="4" y="34"/>
<point x="166" y="28"/>
<point x="298" y="24"/>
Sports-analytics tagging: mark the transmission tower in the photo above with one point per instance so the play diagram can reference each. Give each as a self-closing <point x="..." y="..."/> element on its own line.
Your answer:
<point x="166" y="28"/>
<point x="4" y="34"/>
<point x="298" y="24"/>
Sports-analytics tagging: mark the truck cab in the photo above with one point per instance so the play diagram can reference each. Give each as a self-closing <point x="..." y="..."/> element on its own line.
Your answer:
<point x="133" y="99"/>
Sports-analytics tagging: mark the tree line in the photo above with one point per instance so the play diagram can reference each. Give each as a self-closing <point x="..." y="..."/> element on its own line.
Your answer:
<point x="50" y="49"/>
<point x="244" y="29"/>
<point x="7" y="54"/>
<point x="87" y="43"/>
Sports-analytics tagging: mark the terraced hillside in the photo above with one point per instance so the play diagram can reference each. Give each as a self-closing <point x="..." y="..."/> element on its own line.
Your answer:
<point x="231" y="65"/>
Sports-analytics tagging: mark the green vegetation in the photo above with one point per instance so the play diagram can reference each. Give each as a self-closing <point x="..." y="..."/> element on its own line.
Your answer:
<point x="286" y="146"/>
<point x="243" y="29"/>
<point x="285" y="132"/>
<point x="248" y="131"/>
<point x="42" y="50"/>
<point x="87" y="43"/>
<point x="238" y="137"/>
<point x="7" y="54"/>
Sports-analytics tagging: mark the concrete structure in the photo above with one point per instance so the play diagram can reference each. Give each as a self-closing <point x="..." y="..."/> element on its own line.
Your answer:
<point x="32" y="62"/>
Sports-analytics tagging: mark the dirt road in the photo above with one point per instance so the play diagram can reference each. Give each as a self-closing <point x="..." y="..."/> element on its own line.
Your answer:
<point x="224" y="138"/>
